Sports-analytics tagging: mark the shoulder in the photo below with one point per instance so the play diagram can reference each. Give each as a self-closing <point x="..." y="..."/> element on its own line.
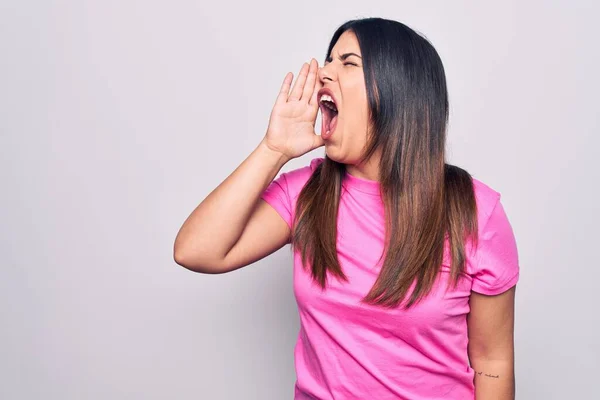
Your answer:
<point x="298" y="177"/>
<point x="484" y="195"/>
<point x="486" y="198"/>
<point x="282" y="193"/>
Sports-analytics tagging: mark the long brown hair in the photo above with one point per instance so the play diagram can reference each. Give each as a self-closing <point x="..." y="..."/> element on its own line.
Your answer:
<point x="426" y="200"/>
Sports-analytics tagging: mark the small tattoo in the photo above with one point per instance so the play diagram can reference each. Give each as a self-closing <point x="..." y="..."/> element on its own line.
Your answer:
<point x="488" y="375"/>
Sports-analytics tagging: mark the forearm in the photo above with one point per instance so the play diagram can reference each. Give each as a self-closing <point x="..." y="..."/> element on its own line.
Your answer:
<point x="216" y="224"/>
<point x="494" y="379"/>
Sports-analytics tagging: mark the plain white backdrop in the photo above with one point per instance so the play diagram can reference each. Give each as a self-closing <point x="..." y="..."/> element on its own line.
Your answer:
<point x="118" y="117"/>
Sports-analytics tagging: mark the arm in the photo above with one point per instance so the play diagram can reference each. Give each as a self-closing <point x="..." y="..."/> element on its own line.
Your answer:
<point x="232" y="226"/>
<point x="491" y="344"/>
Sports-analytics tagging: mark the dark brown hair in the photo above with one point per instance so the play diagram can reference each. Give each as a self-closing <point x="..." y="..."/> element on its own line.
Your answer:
<point x="426" y="200"/>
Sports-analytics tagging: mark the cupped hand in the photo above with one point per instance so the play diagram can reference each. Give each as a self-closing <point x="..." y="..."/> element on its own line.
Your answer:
<point x="291" y="129"/>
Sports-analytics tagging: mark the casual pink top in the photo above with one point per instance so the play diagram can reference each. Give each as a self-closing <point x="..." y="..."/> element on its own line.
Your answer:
<point x="349" y="350"/>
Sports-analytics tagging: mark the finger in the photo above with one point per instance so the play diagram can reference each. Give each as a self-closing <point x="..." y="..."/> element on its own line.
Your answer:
<point x="313" y="99"/>
<point x="285" y="88"/>
<point x="309" y="87"/>
<point x="297" y="89"/>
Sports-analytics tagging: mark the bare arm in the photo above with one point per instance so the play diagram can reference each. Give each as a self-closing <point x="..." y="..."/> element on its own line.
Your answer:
<point x="232" y="227"/>
<point x="217" y="223"/>
<point x="491" y="344"/>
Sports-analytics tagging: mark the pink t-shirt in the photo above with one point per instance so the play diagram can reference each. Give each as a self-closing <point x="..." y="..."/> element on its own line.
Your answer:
<point x="349" y="350"/>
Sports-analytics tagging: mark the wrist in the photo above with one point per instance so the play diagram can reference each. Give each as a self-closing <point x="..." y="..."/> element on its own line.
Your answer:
<point x="277" y="156"/>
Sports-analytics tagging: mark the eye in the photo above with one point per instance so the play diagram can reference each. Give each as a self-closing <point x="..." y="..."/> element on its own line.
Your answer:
<point x="349" y="63"/>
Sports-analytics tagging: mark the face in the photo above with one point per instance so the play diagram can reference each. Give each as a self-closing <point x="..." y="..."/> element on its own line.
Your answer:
<point x="343" y="75"/>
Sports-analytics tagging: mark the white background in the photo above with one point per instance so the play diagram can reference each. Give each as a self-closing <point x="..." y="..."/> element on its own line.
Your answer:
<point x="118" y="117"/>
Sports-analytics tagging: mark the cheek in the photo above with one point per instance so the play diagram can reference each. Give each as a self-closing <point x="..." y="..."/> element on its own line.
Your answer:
<point x="357" y="106"/>
<point x="358" y="118"/>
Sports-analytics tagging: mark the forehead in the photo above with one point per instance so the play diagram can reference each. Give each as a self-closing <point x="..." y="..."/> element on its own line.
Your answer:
<point x="346" y="43"/>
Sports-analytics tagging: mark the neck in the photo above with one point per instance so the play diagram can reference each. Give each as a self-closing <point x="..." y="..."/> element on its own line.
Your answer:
<point x="368" y="170"/>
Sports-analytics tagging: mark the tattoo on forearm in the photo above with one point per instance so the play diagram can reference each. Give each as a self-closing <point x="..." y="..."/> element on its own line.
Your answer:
<point x="488" y="375"/>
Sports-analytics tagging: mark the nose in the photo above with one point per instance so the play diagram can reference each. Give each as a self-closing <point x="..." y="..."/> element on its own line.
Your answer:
<point x="325" y="74"/>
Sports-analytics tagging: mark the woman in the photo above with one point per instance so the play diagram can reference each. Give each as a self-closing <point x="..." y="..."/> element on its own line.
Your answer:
<point x="404" y="266"/>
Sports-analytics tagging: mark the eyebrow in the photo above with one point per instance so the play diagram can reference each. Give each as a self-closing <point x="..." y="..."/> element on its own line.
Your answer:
<point x="343" y="56"/>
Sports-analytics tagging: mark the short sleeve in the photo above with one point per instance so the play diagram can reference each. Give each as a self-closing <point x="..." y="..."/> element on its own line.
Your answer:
<point x="277" y="195"/>
<point x="497" y="265"/>
<point x="283" y="191"/>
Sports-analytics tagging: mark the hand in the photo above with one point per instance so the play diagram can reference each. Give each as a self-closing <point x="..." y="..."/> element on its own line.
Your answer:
<point x="291" y="130"/>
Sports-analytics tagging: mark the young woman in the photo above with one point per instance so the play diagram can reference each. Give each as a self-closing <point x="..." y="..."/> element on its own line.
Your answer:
<point x="404" y="266"/>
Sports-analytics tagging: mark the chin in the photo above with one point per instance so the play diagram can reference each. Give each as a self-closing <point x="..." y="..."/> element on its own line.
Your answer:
<point x="333" y="154"/>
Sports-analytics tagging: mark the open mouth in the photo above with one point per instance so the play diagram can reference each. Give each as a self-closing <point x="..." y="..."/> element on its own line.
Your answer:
<point x="330" y="115"/>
